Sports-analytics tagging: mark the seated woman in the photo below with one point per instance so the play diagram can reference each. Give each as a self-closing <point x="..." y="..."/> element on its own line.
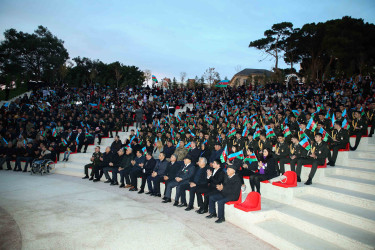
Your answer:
<point x="249" y="166"/>
<point x="205" y="151"/>
<point x="267" y="166"/>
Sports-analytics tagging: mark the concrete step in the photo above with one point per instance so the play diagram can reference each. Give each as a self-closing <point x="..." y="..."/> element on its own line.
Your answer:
<point x="284" y="236"/>
<point x="351" y="183"/>
<point x="358" y="199"/>
<point x="338" y="233"/>
<point x="338" y="211"/>
<point x="357" y="172"/>
<point x="359" y="163"/>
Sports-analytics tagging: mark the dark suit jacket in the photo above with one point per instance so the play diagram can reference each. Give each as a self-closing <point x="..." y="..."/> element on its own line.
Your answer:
<point x="216" y="179"/>
<point x="149" y="166"/>
<point x="172" y="169"/>
<point x="194" y="154"/>
<point x="186" y="172"/>
<point x="232" y="187"/>
<point x="200" y="176"/>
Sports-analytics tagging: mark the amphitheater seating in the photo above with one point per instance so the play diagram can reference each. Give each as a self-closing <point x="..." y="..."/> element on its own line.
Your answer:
<point x="251" y="203"/>
<point x="291" y="180"/>
<point x="235" y="202"/>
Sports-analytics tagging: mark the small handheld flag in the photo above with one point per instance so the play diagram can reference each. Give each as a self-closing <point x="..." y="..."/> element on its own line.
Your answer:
<point x="223" y="156"/>
<point x="305" y="143"/>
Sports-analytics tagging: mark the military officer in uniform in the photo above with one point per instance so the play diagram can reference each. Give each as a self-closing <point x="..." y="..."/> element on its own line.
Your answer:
<point x="340" y="138"/>
<point x="95" y="160"/>
<point x="296" y="152"/>
<point x="358" y="128"/>
<point x="316" y="156"/>
<point x="281" y="150"/>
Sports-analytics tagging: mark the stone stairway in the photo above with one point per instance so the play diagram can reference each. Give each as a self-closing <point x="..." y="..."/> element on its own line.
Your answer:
<point x="337" y="211"/>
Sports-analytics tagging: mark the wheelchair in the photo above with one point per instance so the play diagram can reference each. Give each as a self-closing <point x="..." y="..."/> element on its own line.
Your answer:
<point x="42" y="167"/>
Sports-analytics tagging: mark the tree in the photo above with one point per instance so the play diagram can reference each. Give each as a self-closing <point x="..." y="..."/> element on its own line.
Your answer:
<point x="182" y="77"/>
<point x="118" y="76"/>
<point x="290" y="47"/>
<point x="211" y="75"/>
<point x="272" y="42"/>
<point x="173" y="83"/>
<point x="36" y="56"/>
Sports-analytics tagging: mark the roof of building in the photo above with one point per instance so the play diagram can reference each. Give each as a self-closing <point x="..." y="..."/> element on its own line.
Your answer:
<point x="247" y="72"/>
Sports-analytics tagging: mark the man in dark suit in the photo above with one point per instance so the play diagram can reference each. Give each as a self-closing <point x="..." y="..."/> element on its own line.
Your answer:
<point x="81" y="139"/>
<point x="228" y="191"/>
<point x="214" y="177"/>
<point x="183" y="176"/>
<point x="194" y="153"/>
<point x="198" y="179"/>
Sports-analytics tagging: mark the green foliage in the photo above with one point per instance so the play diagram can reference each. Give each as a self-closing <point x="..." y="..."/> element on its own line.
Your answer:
<point x="36" y="56"/>
<point x="42" y="56"/>
<point x="272" y="43"/>
<point x="341" y="47"/>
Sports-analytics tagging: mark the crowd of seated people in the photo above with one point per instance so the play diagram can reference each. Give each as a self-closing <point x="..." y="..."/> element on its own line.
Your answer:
<point x="253" y="131"/>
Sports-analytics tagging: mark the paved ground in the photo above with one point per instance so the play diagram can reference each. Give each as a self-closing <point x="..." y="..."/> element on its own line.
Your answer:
<point x="63" y="212"/>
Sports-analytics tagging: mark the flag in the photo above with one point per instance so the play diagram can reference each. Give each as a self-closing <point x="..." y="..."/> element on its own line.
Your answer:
<point x="178" y="144"/>
<point x="362" y="111"/>
<point x="188" y="146"/>
<point x="231" y="132"/>
<point x="296" y="113"/>
<point x="324" y="134"/>
<point x="327" y="115"/>
<point x="100" y="105"/>
<point x="6" y="105"/>
<point x="344" y="113"/>
<point x="132" y="139"/>
<point x="286" y="131"/>
<point x="333" y="120"/>
<point x="250" y="158"/>
<point x="222" y="84"/>
<point x="178" y="118"/>
<point x="223" y="156"/>
<point x="5" y="141"/>
<point x="311" y="125"/>
<point x="253" y="126"/>
<point x="93" y="105"/>
<point x="64" y="143"/>
<point x="305" y="143"/>
<point x="302" y="134"/>
<point x="345" y="124"/>
<point x="238" y="155"/>
<point x="192" y="134"/>
<point x="245" y="131"/>
<point x="155" y="142"/>
<point x="256" y="133"/>
<point x="270" y="133"/>
<point x="54" y="133"/>
<point x="144" y="150"/>
<point x="77" y="140"/>
<point x="154" y="79"/>
<point x="245" y="121"/>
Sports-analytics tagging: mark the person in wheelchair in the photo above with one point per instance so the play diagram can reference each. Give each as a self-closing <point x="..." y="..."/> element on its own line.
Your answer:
<point x="42" y="162"/>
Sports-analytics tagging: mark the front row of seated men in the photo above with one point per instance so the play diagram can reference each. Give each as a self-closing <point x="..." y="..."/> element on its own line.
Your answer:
<point x="217" y="182"/>
<point x="213" y="183"/>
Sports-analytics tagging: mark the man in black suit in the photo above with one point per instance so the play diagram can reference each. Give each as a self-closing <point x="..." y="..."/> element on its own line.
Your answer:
<point x="183" y="176"/>
<point x="81" y="139"/>
<point x="143" y="170"/>
<point x="199" y="178"/>
<point x="105" y="160"/>
<point x="214" y="177"/>
<point x="228" y="191"/>
<point x="194" y="153"/>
